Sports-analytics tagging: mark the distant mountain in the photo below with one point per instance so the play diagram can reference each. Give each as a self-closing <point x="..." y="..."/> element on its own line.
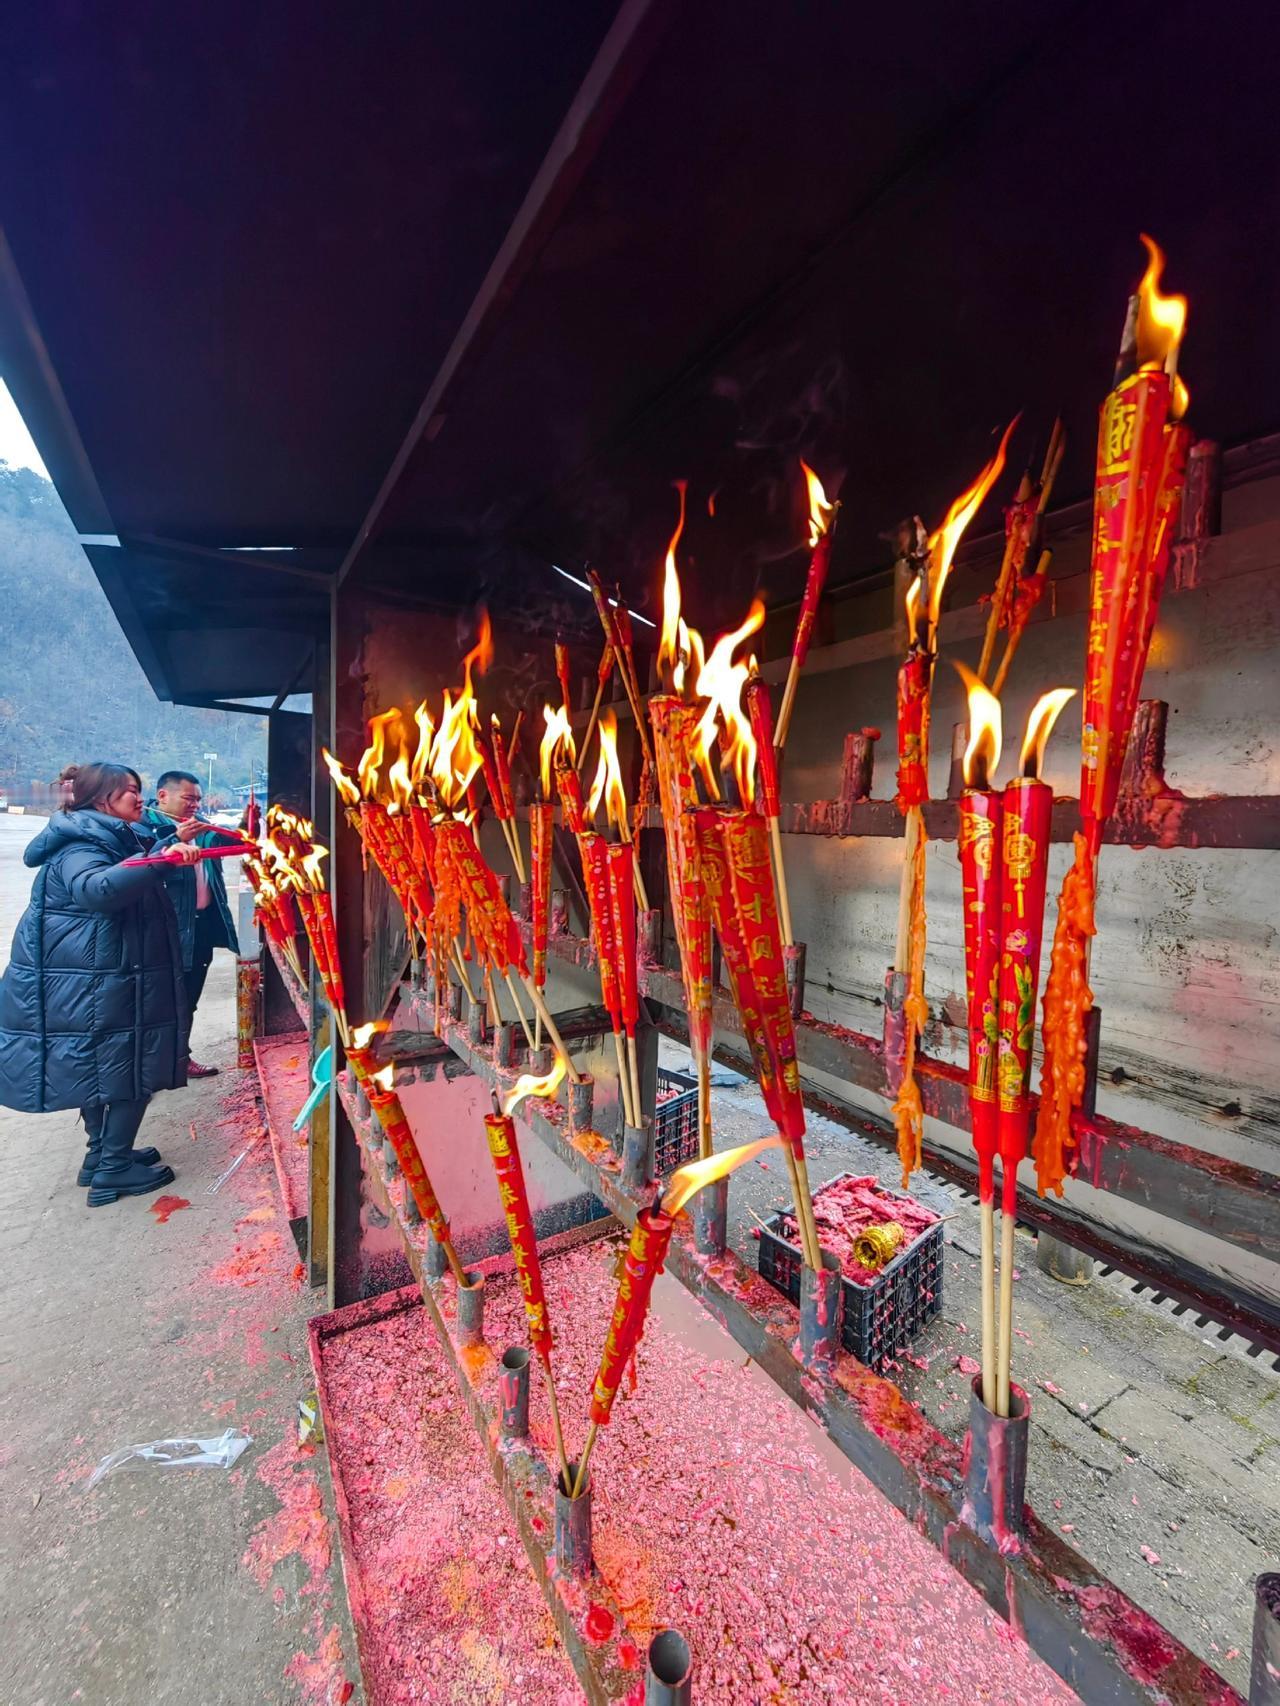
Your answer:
<point x="70" y="688"/>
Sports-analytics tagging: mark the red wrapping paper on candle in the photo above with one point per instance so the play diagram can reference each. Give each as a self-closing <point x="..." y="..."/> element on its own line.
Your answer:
<point x="734" y="854"/>
<point x="760" y="711"/>
<point x="572" y="806"/>
<point x="541" y="814"/>
<point x="650" y="1239"/>
<point x="286" y="914"/>
<point x="914" y="680"/>
<point x="315" y="939"/>
<point x="1027" y="808"/>
<point x="595" y="869"/>
<point x="622" y="910"/>
<point x="1129" y="464"/>
<point x="411" y="883"/>
<point x="489" y="767"/>
<point x="424" y="842"/>
<point x="673" y="725"/>
<point x="335" y="989"/>
<point x="373" y="821"/>
<point x="492" y="925"/>
<point x="501" y="1133"/>
<point x="980" y="875"/>
<point x="562" y="675"/>
<point x="604" y="669"/>
<point x="1174" y="449"/>
<point x="390" y="1115"/>
<point x="502" y="769"/>
<point x="816" y="580"/>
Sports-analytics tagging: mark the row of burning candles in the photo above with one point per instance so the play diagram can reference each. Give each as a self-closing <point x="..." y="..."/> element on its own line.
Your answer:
<point x="714" y="706"/>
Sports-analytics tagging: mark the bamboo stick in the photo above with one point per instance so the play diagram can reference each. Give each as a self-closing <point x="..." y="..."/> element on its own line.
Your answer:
<point x="703" y="1062"/>
<point x="591" y="726"/>
<point x="557" y="1041"/>
<point x="554" y="1406"/>
<point x="988" y="1282"/>
<point x="520" y="1013"/>
<point x="780" y="876"/>
<point x="624" y="1081"/>
<point x="587" y="1448"/>
<point x="634" y="1062"/>
<point x="1004" y="1359"/>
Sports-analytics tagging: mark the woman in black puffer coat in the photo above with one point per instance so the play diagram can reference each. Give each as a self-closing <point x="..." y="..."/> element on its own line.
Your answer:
<point x="93" y="1008"/>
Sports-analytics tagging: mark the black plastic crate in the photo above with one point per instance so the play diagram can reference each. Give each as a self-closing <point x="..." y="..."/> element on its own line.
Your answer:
<point x="882" y="1318"/>
<point x="675" y="1124"/>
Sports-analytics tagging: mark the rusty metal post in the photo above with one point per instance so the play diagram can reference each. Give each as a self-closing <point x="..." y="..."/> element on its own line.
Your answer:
<point x="669" y="1670"/>
<point x="513" y="1393"/>
<point x="996" y="1477"/>
<point x="471" y="1310"/>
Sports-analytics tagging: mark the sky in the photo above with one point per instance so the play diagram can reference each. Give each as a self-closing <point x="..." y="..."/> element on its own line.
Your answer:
<point x="16" y="446"/>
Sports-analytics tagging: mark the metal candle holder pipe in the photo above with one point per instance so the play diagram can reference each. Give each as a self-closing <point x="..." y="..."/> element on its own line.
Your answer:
<point x="504" y="1045"/>
<point x="453" y="1004"/>
<point x="389" y="1158"/>
<point x="475" y="1025"/>
<point x="711" y="1218"/>
<point x="1264" y="1674"/>
<point x="362" y="1102"/>
<point x="526" y="901"/>
<point x="540" y="1061"/>
<point x="573" y="1526"/>
<point x="636" y="1144"/>
<point x="996" y="1478"/>
<point x="669" y="1672"/>
<point x="649" y="936"/>
<point x="821" y="1311"/>
<point x="513" y="1393"/>
<point x="471" y="1310"/>
<point x="793" y="961"/>
<point x="581" y="1103"/>
<point x="413" y="1214"/>
<point x="437" y="1260"/>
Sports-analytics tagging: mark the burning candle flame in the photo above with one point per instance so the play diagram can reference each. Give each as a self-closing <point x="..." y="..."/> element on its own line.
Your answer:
<point x="1044" y="714"/>
<point x="372" y="758"/>
<point x="1161" y="319"/>
<point x="480" y="656"/>
<point x="688" y="1180"/>
<point x="399" y="782"/>
<point x="386" y="1079"/>
<point x="363" y="1035"/>
<point x="943" y="543"/>
<point x="422" y="756"/>
<point x="310" y="863"/>
<point x="982" y="753"/>
<point x="557" y="736"/>
<point x="528" y="1085"/>
<point x="915" y="592"/>
<point x="820" y="511"/>
<point x="721" y="681"/>
<point x="669" y="643"/>
<point x="347" y="789"/>
<point x="608" y="778"/>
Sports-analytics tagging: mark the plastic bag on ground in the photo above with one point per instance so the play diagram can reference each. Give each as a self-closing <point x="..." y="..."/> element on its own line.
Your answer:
<point x="219" y="1453"/>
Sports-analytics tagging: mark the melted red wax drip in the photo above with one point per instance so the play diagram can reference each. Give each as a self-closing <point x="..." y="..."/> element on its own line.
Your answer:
<point x="599" y="1623"/>
<point x="163" y="1207"/>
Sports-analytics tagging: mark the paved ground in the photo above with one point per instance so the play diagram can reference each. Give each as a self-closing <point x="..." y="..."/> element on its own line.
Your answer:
<point x="191" y="1587"/>
<point x="1155" y="1449"/>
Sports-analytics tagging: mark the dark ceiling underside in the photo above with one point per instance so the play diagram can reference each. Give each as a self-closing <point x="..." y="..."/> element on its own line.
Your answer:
<point x="868" y="237"/>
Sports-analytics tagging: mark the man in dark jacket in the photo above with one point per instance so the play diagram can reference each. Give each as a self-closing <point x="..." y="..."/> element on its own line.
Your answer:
<point x="198" y="892"/>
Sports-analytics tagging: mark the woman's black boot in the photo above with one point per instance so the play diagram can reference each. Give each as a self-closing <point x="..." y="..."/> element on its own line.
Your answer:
<point x="92" y="1119"/>
<point x="119" y="1172"/>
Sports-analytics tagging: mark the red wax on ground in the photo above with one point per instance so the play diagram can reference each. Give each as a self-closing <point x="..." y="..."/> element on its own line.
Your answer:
<point x="847" y="1207"/>
<point x="440" y="1589"/>
<point x="286" y="1084"/>
<point x="163" y="1207"/>
<point x="720" y="1510"/>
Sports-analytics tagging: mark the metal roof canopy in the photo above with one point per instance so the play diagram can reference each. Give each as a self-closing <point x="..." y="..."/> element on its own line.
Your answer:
<point x="437" y="299"/>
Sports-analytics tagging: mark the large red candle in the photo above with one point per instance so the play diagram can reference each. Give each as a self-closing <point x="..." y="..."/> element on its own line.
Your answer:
<point x="1027" y="808"/>
<point x="541" y="814"/>
<point x="595" y="868"/>
<point x="914" y="681"/>
<point x="650" y="1239"/>
<point x="622" y="912"/>
<point x="501" y="1132"/>
<point x="980" y="871"/>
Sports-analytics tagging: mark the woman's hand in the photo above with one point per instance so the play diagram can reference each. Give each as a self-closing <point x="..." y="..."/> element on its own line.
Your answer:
<point x="186" y="854"/>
